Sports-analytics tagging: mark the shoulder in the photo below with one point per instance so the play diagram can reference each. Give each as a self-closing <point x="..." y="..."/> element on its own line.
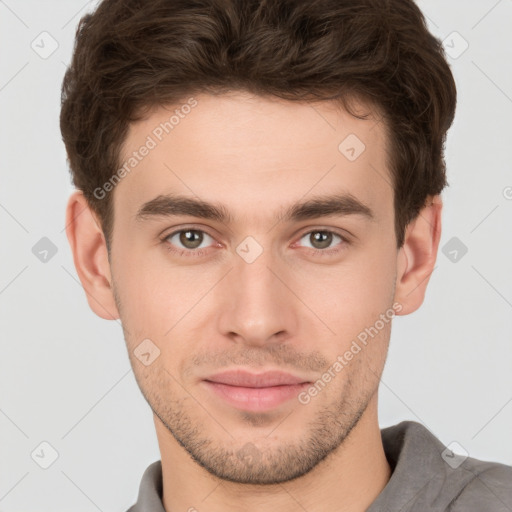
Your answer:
<point x="436" y="478"/>
<point x="487" y="486"/>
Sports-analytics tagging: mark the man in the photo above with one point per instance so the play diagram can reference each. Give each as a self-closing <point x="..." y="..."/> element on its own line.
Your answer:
<point x="258" y="196"/>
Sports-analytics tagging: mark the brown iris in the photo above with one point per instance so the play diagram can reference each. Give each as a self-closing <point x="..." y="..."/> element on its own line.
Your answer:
<point x="191" y="239"/>
<point x="320" y="239"/>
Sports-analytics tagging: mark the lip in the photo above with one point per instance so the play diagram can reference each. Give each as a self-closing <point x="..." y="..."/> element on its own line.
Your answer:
<point x="246" y="379"/>
<point x="255" y="392"/>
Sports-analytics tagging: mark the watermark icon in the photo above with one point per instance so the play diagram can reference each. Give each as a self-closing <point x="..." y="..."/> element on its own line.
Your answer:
<point x="454" y="454"/>
<point x="343" y="360"/>
<point x="351" y="147"/>
<point x="455" y="45"/>
<point x="146" y="352"/>
<point x="157" y="135"/>
<point x="454" y="249"/>
<point x="44" y="250"/>
<point x="249" y="249"/>
<point x="44" y="45"/>
<point x="249" y="454"/>
<point x="44" y="455"/>
<point x="507" y="193"/>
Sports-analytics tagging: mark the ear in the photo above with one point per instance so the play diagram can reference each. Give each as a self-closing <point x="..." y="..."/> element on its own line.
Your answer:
<point x="417" y="257"/>
<point x="90" y="256"/>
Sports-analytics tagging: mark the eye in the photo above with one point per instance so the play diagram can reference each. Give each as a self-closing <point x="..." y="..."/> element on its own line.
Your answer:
<point x="322" y="240"/>
<point x="189" y="239"/>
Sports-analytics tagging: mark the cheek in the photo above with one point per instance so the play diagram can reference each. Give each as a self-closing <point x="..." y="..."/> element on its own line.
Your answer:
<point x="144" y="308"/>
<point x="144" y="284"/>
<point x="352" y="294"/>
<point x="162" y="304"/>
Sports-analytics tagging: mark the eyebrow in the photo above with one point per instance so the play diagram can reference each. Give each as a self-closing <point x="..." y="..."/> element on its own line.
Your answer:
<point x="170" y="205"/>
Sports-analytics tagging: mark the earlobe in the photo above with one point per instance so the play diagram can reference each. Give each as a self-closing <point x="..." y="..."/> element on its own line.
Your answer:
<point x="417" y="257"/>
<point x="90" y="256"/>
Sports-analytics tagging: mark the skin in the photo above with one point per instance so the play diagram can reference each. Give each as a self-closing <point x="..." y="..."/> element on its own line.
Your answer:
<point x="292" y="308"/>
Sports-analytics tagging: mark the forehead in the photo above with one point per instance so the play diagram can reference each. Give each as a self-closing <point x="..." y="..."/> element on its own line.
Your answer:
<point x="253" y="154"/>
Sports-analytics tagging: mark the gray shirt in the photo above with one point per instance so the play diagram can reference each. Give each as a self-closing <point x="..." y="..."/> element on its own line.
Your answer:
<point x="427" y="476"/>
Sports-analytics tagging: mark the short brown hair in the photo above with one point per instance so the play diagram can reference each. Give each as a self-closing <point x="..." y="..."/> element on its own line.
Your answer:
<point x="132" y="55"/>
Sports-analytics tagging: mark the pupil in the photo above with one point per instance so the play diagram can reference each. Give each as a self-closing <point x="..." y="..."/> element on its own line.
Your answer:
<point x="321" y="239"/>
<point x="191" y="239"/>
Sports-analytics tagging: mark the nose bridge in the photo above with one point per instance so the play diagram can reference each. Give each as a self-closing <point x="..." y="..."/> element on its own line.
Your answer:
<point x="257" y="305"/>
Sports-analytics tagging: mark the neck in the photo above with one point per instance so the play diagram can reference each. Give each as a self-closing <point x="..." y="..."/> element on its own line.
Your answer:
<point x="348" y="480"/>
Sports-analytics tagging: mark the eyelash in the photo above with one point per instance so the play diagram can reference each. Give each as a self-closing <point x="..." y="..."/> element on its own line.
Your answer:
<point x="197" y="253"/>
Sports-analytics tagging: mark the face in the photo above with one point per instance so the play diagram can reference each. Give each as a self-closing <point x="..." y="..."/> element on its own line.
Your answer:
<point x="237" y="308"/>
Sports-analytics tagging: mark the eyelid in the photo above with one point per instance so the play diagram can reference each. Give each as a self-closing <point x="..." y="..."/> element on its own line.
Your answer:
<point x="187" y="227"/>
<point x="174" y="233"/>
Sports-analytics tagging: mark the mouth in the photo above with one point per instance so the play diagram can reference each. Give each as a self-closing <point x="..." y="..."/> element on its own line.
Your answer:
<point x="255" y="392"/>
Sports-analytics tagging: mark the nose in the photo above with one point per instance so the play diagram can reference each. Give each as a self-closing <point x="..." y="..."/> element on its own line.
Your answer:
<point x="257" y="307"/>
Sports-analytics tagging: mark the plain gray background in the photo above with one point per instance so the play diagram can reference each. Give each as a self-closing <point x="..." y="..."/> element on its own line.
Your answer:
<point x="65" y="377"/>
